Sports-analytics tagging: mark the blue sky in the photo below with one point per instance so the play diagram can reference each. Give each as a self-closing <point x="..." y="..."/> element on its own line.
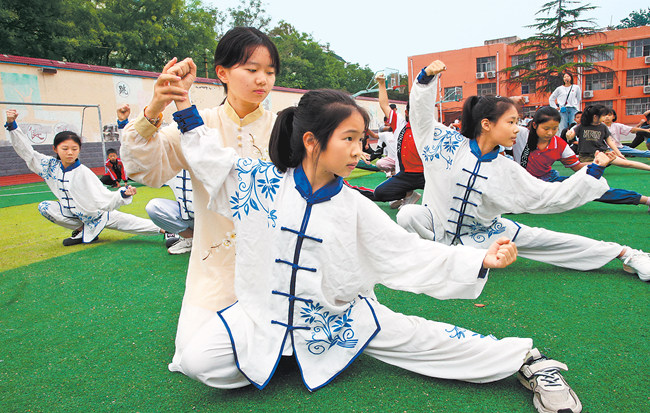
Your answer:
<point x="378" y="34"/>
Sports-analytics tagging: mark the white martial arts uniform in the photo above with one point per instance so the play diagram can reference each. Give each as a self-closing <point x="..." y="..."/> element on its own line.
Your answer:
<point x="83" y="199"/>
<point x="466" y="193"/>
<point x="153" y="156"/>
<point x="174" y="216"/>
<point x="306" y="265"/>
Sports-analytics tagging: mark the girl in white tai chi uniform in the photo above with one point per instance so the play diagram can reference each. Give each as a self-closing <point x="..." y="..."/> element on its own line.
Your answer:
<point x="246" y="63"/>
<point x="85" y="205"/>
<point x="306" y="267"/>
<point x="468" y="186"/>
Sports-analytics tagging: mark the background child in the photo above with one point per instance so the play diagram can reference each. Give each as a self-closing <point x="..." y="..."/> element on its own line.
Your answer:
<point x="305" y="270"/>
<point x="593" y="135"/>
<point x="618" y="129"/>
<point x="84" y="203"/>
<point x="246" y="62"/>
<point x="115" y="170"/>
<point x="538" y="147"/>
<point x="468" y="186"/>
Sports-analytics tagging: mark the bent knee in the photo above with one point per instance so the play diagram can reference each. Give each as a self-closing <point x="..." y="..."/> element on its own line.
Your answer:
<point x="214" y="371"/>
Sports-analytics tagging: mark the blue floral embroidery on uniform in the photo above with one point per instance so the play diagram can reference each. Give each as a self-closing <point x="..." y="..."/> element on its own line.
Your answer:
<point x="478" y="232"/>
<point x="330" y="330"/>
<point x="444" y="146"/>
<point x="457" y="332"/>
<point x="90" y="221"/>
<point x="43" y="208"/>
<point x="48" y="168"/>
<point x="258" y="184"/>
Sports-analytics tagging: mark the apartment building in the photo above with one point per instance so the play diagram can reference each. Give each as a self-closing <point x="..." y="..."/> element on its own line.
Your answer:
<point x="477" y="71"/>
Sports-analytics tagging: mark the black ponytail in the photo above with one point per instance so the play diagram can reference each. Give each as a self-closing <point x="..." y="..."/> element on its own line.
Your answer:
<point x="319" y="112"/>
<point x="477" y="108"/>
<point x="280" y="141"/>
<point x="587" y="118"/>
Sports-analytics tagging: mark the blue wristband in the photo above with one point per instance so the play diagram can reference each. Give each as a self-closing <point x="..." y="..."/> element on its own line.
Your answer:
<point x="122" y="192"/>
<point x="188" y="119"/>
<point x="122" y="123"/>
<point x="595" y="170"/>
<point x="11" y="126"/>
<point x="423" y="78"/>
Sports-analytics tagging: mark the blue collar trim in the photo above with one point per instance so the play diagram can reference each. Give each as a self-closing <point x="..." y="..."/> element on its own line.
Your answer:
<point x="490" y="156"/>
<point x="324" y="194"/>
<point x="71" y="167"/>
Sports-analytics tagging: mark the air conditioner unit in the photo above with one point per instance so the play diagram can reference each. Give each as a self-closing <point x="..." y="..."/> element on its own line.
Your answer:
<point x="588" y="94"/>
<point x="480" y="75"/>
<point x="491" y="74"/>
<point x="587" y="69"/>
<point x="526" y="99"/>
<point x="647" y="60"/>
<point x="514" y="73"/>
<point x="646" y="89"/>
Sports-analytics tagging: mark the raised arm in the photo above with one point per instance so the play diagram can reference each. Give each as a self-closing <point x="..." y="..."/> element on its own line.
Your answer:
<point x="208" y="160"/>
<point x="36" y="161"/>
<point x="383" y="94"/>
<point x="152" y="154"/>
<point x="422" y="100"/>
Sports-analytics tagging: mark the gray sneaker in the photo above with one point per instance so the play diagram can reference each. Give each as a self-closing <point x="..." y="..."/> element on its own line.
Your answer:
<point x="552" y="394"/>
<point x="184" y="245"/>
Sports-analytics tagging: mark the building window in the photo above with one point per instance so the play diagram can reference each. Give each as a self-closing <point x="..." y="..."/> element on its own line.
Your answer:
<point x="486" y="64"/>
<point x="599" y="81"/>
<point x="454" y="93"/>
<point x="638" y="77"/>
<point x="601" y="56"/>
<point x="606" y="103"/>
<point x="527" y="87"/>
<point x="528" y="111"/>
<point x="636" y="106"/>
<point x="638" y="48"/>
<point x="524" y="60"/>
<point x="483" y="89"/>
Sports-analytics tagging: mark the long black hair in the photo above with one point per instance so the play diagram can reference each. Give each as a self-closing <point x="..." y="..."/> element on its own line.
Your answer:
<point x="588" y="114"/>
<point x="237" y="46"/>
<point x="319" y="112"/>
<point x="477" y="108"/>
<point x="543" y="115"/>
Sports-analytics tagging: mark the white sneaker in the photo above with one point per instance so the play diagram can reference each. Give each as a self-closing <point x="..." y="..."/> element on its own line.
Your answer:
<point x="184" y="245"/>
<point x="637" y="262"/>
<point x="552" y="394"/>
<point x="412" y="198"/>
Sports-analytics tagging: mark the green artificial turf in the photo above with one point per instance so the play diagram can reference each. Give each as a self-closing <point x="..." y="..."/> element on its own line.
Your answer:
<point x="93" y="330"/>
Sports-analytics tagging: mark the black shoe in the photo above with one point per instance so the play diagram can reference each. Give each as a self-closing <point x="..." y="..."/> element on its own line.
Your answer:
<point x="75" y="233"/>
<point x="171" y="239"/>
<point x="75" y="241"/>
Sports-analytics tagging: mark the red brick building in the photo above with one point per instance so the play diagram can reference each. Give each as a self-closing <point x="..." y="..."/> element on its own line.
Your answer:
<point x="476" y="71"/>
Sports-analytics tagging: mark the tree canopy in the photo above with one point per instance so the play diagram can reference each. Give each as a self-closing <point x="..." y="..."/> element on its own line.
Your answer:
<point x="544" y="57"/>
<point x="636" y="19"/>
<point x="145" y="34"/>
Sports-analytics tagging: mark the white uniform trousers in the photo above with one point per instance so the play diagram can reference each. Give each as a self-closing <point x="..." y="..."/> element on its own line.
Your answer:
<point x="117" y="220"/>
<point x="166" y="213"/>
<point x="413" y="343"/>
<point x="539" y="244"/>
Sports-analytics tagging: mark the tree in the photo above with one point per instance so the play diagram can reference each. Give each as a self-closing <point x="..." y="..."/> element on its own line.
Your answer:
<point x="133" y="34"/>
<point x="306" y="64"/>
<point x="544" y="57"/>
<point x="636" y="19"/>
<point x="251" y="14"/>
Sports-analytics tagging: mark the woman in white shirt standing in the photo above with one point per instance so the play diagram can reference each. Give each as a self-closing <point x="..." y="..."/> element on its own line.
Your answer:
<point x="567" y="99"/>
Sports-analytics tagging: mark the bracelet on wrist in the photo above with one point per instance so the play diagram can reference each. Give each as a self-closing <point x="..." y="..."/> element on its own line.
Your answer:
<point x="155" y="121"/>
